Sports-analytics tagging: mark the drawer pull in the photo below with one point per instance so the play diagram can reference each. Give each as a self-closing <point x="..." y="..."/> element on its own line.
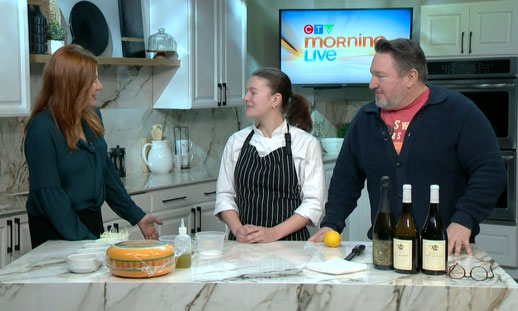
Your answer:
<point x="193" y="215"/>
<point x="17" y="223"/>
<point x="209" y="193"/>
<point x="10" y="247"/>
<point x="198" y="209"/>
<point x="174" y="199"/>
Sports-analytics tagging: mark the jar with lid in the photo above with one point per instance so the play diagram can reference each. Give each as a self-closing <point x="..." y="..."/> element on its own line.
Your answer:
<point x="161" y="43"/>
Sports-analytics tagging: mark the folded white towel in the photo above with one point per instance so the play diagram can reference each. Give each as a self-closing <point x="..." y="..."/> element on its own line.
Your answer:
<point x="336" y="266"/>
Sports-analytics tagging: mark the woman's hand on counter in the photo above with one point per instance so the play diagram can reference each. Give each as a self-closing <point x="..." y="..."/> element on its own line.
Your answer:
<point x="147" y="226"/>
<point x="319" y="235"/>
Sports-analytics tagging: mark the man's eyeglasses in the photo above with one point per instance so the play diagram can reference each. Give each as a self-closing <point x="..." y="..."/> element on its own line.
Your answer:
<point x="477" y="273"/>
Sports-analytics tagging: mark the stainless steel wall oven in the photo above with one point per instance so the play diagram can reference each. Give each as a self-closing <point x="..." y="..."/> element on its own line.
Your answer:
<point x="492" y="84"/>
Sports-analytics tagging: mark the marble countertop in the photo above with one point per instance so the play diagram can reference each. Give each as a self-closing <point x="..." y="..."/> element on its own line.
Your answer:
<point x="250" y="276"/>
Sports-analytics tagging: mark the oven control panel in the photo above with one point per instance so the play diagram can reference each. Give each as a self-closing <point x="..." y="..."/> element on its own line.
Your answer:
<point x="472" y="68"/>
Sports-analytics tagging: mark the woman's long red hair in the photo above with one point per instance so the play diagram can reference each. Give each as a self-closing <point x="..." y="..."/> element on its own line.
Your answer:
<point x="67" y="79"/>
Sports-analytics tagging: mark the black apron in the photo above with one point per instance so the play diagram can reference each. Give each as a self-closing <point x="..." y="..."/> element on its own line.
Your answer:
<point x="267" y="190"/>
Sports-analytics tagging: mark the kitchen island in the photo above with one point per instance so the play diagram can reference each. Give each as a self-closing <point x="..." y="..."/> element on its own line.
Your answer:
<point x="249" y="277"/>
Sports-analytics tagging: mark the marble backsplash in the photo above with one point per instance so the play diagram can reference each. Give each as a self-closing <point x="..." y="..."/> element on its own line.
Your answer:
<point x="126" y="107"/>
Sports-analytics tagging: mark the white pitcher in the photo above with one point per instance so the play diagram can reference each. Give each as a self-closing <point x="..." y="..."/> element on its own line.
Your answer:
<point x="160" y="158"/>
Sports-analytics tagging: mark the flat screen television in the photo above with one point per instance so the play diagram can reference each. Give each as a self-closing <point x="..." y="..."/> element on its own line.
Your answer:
<point x="333" y="47"/>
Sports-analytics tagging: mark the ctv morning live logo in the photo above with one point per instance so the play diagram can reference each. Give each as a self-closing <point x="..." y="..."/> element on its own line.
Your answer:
<point x="321" y="45"/>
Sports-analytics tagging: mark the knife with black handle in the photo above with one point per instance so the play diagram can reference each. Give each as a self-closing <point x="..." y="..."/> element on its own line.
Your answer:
<point x="357" y="250"/>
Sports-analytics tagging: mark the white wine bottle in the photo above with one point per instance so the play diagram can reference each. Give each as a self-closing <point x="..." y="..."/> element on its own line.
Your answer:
<point x="434" y="239"/>
<point x="406" y="237"/>
<point x="383" y="230"/>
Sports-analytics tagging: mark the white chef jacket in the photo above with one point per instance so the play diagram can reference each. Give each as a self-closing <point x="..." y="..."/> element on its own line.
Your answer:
<point x="307" y="158"/>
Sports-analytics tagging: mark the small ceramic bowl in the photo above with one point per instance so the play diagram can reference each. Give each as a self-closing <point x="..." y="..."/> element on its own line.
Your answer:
<point x="99" y="252"/>
<point x="332" y="145"/>
<point x="83" y="263"/>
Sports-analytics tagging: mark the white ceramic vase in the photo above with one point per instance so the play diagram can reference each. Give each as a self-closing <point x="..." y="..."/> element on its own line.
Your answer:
<point x="54" y="45"/>
<point x="159" y="159"/>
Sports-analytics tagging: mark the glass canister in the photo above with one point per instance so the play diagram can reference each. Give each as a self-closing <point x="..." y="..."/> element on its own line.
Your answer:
<point x="117" y="157"/>
<point x="161" y="43"/>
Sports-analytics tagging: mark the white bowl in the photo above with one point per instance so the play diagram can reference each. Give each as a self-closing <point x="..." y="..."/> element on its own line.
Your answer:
<point x="332" y="145"/>
<point x="210" y="243"/>
<point x="83" y="263"/>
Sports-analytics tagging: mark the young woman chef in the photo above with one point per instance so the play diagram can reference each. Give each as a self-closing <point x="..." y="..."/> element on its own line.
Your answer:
<point x="271" y="179"/>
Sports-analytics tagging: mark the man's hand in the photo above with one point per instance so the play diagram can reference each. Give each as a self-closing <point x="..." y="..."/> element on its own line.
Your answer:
<point x="147" y="226"/>
<point x="319" y="236"/>
<point x="458" y="237"/>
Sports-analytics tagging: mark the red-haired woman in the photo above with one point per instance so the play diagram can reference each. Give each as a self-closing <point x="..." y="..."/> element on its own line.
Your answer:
<point x="70" y="173"/>
<point x="271" y="180"/>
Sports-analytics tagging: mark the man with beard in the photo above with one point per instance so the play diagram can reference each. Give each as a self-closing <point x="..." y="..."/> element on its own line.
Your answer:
<point x="417" y="134"/>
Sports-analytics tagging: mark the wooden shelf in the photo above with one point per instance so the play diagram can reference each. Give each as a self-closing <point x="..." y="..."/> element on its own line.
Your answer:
<point x="125" y="61"/>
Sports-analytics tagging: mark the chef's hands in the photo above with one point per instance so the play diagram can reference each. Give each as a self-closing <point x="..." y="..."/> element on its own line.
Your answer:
<point x="458" y="237"/>
<point x="319" y="235"/>
<point x="255" y="234"/>
<point x="147" y="226"/>
<point x="241" y="234"/>
<point x="258" y="234"/>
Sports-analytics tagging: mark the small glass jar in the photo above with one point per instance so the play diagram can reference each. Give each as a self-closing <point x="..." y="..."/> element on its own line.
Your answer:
<point x="161" y="43"/>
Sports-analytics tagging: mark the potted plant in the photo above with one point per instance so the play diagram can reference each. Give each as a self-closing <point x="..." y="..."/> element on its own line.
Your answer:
<point x="55" y="36"/>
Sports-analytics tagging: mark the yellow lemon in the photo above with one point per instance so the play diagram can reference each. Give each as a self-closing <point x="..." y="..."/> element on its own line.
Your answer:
<point x="332" y="239"/>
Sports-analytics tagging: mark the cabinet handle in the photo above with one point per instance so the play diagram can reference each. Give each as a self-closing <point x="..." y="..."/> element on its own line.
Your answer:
<point x="174" y="199"/>
<point x="462" y="43"/>
<point x="470" y="35"/>
<point x="224" y="103"/>
<point x="17" y="223"/>
<point x="116" y="227"/>
<point x="193" y="214"/>
<point x="209" y="193"/>
<point x="219" y="94"/>
<point x="10" y="247"/>
<point x="198" y="209"/>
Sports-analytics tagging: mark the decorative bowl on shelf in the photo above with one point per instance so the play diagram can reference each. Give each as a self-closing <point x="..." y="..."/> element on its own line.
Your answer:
<point x="162" y="44"/>
<point x="332" y="145"/>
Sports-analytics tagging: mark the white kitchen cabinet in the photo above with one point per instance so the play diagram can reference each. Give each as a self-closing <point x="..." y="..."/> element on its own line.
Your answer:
<point x="500" y="242"/>
<point x="14" y="67"/>
<point x="211" y="45"/>
<point x="205" y="219"/>
<point x="171" y="220"/>
<point x="112" y="220"/>
<point x="193" y="202"/>
<point x="481" y="28"/>
<point x="358" y="223"/>
<point x="15" y="238"/>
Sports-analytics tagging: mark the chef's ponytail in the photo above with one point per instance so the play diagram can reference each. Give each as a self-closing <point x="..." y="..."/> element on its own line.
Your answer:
<point x="294" y="106"/>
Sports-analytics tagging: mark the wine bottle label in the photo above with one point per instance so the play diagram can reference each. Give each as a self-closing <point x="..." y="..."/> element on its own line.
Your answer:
<point x="382" y="252"/>
<point x="434" y="255"/>
<point x="402" y="254"/>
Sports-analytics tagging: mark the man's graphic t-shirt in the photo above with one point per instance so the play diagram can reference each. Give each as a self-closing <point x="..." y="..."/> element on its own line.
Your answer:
<point x="398" y="121"/>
